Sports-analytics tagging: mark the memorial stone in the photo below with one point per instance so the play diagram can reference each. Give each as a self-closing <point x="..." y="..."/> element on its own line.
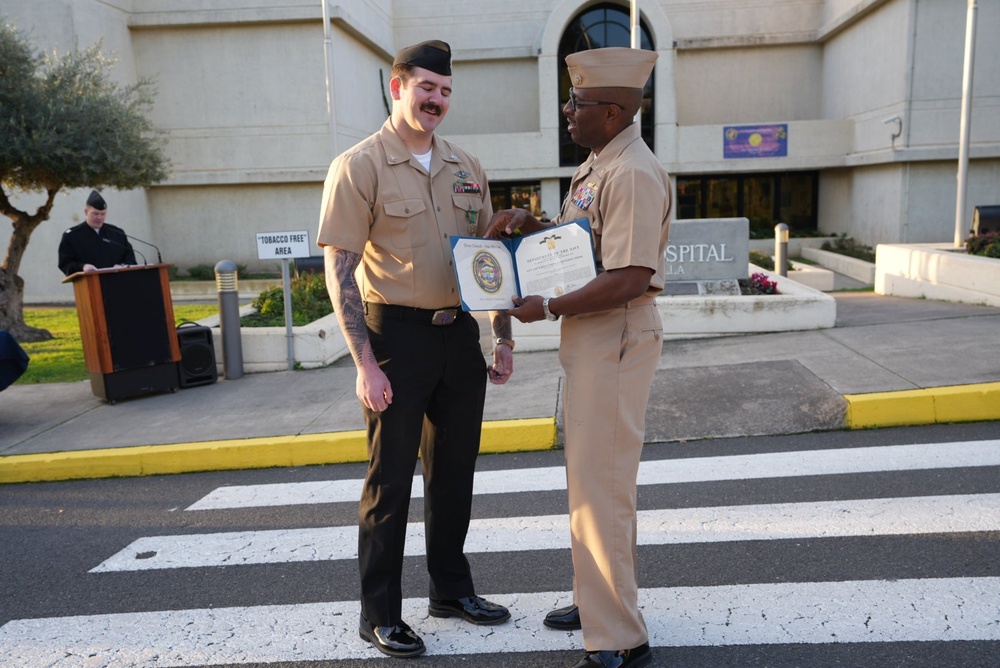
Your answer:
<point x="707" y="256"/>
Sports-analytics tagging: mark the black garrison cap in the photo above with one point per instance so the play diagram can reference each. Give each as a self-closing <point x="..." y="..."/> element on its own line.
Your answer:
<point x="95" y="200"/>
<point x="434" y="55"/>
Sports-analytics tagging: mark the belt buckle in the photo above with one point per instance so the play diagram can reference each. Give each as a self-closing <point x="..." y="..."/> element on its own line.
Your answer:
<point x="444" y="316"/>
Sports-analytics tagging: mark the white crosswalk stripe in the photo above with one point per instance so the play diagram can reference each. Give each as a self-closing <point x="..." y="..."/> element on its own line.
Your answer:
<point x="914" y="515"/>
<point x="700" y="469"/>
<point x="857" y="611"/>
<point x="926" y="609"/>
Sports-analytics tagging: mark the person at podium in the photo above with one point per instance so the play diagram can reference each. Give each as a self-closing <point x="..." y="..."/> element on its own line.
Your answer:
<point x="94" y="244"/>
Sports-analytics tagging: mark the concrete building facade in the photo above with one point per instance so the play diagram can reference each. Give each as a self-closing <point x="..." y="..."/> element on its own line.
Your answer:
<point x="781" y="110"/>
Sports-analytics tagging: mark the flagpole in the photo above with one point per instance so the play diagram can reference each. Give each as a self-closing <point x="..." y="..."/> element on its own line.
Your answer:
<point x="331" y="109"/>
<point x="635" y="41"/>
<point x="963" y="132"/>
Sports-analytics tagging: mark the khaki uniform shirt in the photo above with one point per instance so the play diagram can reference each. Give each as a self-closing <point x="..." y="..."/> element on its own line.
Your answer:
<point x="625" y="194"/>
<point x="379" y="201"/>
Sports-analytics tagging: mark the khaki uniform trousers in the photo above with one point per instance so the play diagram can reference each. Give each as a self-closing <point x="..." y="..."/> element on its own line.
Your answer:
<point x="609" y="359"/>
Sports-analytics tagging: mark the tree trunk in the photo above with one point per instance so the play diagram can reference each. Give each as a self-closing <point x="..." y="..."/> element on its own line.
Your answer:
<point x="12" y="310"/>
<point x="12" y="285"/>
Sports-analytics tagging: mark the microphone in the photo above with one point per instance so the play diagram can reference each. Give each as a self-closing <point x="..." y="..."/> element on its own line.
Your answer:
<point x="159" y="258"/>
<point x="110" y="241"/>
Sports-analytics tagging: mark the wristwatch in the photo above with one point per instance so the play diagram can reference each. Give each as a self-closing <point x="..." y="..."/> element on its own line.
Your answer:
<point x="507" y="342"/>
<point x="549" y="315"/>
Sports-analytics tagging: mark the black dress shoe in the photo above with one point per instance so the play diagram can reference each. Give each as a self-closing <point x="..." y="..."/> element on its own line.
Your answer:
<point x="474" y="609"/>
<point x="399" y="640"/>
<point x="564" y="619"/>
<point x="623" y="658"/>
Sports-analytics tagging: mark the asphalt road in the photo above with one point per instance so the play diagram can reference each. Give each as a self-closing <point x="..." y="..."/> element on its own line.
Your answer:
<point x="871" y="548"/>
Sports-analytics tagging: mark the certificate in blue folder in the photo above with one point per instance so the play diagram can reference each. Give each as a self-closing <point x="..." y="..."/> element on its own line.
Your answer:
<point x="550" y="263"/>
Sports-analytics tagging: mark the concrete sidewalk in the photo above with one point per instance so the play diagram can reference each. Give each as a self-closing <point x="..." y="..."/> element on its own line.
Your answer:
<point x="888" y="362"/>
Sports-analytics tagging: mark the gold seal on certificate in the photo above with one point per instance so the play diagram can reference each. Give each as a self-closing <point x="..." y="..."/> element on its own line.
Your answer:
<point x="550" y="263"/>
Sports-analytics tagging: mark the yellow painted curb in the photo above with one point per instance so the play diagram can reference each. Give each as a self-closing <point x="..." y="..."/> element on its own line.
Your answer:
<point x="936" y="405"/>
<point x="968" y="403"/>
<point x="251" y="453"/>
<point x="518" y="435"/>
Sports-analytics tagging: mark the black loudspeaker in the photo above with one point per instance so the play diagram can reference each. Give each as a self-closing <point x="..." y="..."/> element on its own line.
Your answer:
<point x="197" y="365"/>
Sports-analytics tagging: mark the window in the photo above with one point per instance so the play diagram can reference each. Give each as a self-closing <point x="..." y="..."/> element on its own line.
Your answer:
<point x="598" y="26"/>
<point x="517" y="195"/>
<point x="765" y="199"/>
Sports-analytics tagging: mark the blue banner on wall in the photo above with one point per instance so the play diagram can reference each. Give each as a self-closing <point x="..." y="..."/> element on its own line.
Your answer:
<point x="755" y="141"/>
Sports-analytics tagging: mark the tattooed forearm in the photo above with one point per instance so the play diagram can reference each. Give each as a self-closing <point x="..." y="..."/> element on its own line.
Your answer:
<point x="501" y="324"/>
<point x="346" y="298"/>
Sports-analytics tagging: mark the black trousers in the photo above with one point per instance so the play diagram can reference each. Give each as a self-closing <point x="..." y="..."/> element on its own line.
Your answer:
<point x="438" y="377"/>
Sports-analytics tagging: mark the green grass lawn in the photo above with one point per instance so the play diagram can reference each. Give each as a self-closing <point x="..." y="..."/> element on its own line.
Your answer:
<point x="60" y="360"/>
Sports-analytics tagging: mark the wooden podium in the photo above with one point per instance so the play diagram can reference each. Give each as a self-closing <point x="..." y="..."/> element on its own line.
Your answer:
<point x="127" y="327"/>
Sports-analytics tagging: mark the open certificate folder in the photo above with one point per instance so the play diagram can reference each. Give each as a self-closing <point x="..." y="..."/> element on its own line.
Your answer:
<point x="549" y="263"/>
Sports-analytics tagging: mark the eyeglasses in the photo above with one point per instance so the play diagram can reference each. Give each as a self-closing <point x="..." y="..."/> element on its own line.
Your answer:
<point x="575" y="102"/>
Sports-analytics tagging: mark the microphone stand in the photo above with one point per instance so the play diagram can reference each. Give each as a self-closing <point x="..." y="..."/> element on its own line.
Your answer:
<point x="159" y="258"/>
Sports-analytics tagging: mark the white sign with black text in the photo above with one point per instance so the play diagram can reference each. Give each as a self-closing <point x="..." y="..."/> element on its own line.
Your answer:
<point x="282" y="245"/>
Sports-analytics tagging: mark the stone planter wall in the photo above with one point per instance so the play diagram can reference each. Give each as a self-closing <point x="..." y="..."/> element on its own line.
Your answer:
<point x="796" y="307"/>
<point x="817" y="278"/>
<point x="857" y="269"/>
<point x="936" y="271"/>
<point x="317" y="344"/>
<point x="796" y="245"/>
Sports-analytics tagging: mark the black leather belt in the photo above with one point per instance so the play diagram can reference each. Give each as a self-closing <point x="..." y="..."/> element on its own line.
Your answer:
<point x="425" y="316"/>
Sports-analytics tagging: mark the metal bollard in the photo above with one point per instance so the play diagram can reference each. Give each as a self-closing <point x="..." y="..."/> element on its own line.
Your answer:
<point x="781" y="249"/>
<point x="229" y="319"/>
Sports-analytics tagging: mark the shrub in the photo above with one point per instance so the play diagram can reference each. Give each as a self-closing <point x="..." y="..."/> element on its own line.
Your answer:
<point x="206" y="272"/>
<point x="760" y="229"/>
<point x="310" y="302"/>
<point x="987" y="245"/>
<point x="765" y="261"/>
<point x="762" y="260"/>
<point x="845" y="245"/>
<point x="202" y="272"/>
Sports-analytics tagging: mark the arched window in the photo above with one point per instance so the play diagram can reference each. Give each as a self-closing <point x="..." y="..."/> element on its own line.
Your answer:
<point x="602" y="25"/>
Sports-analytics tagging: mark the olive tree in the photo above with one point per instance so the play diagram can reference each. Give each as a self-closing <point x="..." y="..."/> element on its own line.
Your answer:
<point x="64" y="124"/>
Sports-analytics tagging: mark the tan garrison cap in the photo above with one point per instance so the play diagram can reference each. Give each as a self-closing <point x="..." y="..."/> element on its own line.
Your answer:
<point x="611" y="67"/>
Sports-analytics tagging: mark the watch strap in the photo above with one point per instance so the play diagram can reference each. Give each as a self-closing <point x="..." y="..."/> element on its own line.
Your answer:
<point x="507" y="342"/>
